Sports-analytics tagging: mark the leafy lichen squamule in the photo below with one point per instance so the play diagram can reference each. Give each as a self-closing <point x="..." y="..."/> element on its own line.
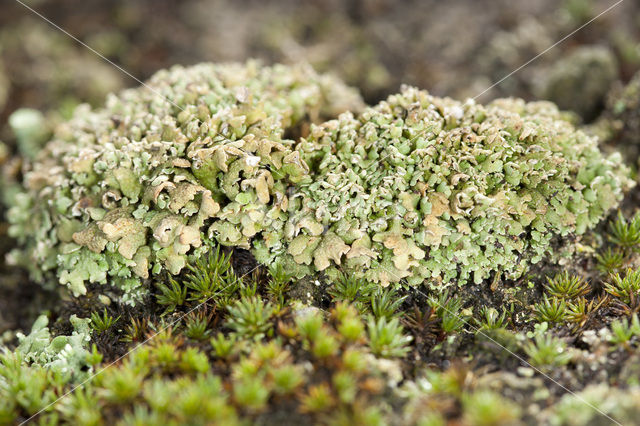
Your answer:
<point x="421" y="187"/>
<point x="417" y="187"/>
<point x="131" y="188"/>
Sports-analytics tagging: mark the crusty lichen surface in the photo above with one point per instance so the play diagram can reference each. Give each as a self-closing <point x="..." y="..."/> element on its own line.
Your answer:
<point x="421" y="187"/>
<point x="417" y="187"/>
<point x="129" y="190"/>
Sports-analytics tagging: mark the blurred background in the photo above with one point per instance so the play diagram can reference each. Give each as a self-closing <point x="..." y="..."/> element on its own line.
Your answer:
<point x="457" y="48"/>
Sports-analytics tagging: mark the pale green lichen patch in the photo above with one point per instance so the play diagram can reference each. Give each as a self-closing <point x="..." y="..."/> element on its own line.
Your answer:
<point x="421" y="187"/>
<point x="130" y="189"/>
<point x="416" y="188"/>
<point x="66" y="355"/>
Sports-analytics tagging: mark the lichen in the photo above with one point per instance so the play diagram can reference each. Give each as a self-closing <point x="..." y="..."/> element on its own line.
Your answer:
<point x="129" y="190"/>
<point x="417" y="187"/>
<point x="353" y="353"/>
<point x="66" y="355"/>
<point x="421" y="187"/>
<point x="30" y="129"/>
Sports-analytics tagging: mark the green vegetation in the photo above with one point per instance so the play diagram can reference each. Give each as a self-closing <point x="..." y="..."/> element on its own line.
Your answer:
<point x="547" y="351"/>
<point x="101" y="323"/>
<point x="169" y="379"/>
<point x="253" y="353"/>
<point x="420" y="261"/>
<point x="136" y="188"/>
<point x="423" y="188"/>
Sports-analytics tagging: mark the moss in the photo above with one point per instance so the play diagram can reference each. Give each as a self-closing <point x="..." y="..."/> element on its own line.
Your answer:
<point x="261" y="356"/>
<point x="249" y="366"/>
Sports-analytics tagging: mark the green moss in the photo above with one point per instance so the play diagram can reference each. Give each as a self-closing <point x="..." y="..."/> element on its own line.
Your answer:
<point x="340" y="364"/>
<point x="101" y="323"/>
<point x="565" y="286"/>
<point x="625" y="287"/>
<point x="622" y="331"/>
<point x="547" y="351"/>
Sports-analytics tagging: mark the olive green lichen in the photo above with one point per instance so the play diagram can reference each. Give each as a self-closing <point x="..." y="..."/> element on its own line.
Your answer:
<point x="421" y="187"/>
<point x="132" y="188"/>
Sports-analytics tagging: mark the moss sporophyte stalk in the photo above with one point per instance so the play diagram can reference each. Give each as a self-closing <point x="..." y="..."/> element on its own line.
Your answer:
<point x="417" y="187"/>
